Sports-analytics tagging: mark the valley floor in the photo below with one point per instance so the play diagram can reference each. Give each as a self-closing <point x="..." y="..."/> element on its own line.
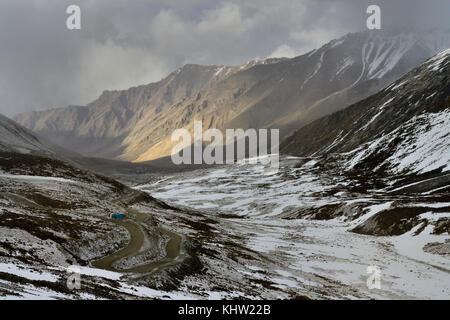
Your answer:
<point x="239" y="231"/>
<point x="253" y="237"/>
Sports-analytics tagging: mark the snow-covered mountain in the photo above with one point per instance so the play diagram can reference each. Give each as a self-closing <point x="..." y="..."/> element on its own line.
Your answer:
<point x="136" y="124"/>
<point x="403" y="128"/>
<point x="371" y="188"/>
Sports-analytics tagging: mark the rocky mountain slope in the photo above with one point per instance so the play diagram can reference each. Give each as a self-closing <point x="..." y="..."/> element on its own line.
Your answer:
<point x="55" y="216"/>
<point x="136" y="124"/>
<point x="369" y="186"/>
<point x="371" y="189"/>
<point x="100" y="128"/>
<point x="403" y="128"/>
<point x="16" y="138"/>
<point x="395" y="142"/>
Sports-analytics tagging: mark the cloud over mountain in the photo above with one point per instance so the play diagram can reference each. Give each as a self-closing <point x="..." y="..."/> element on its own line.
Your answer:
<point x="126" y="43"/>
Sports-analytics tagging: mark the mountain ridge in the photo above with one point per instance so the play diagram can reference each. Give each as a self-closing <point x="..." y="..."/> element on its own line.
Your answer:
<point x="136" y="124"/>
<point x="379" y="132"/>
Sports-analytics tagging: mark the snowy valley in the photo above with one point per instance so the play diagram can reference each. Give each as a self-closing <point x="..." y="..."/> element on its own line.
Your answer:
<point x="362" y="187"/>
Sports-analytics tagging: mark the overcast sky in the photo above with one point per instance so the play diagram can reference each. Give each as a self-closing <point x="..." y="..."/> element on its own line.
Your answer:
<point x="123" y="43"/>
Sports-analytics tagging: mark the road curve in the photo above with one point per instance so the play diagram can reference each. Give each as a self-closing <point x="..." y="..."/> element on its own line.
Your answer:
<point x="173" y="247"/>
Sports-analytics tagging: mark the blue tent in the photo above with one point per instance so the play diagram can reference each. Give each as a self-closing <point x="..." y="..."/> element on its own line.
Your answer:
<point x="118" y="216"/>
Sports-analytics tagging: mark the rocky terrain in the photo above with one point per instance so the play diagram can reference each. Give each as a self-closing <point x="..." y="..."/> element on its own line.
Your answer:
<point x="243" y="234"/>
<point x="55" y="216"/>
<point x="136" y="124"/>
<point x="308" y="233"/>
<point x="366" y="186"/>
<point x="396" y="139"/>
<point x="363" y="187"/>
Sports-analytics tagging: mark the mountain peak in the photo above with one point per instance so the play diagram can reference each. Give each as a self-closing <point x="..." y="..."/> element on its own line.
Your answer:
<point x="391" y="129"/>
<point x="136" y="124"/>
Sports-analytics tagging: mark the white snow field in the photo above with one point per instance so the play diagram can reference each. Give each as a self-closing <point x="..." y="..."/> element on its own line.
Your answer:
<point x="303" y="252"/>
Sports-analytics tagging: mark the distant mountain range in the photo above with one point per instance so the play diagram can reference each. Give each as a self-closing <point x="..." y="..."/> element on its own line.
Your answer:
<point x="136" y="124"/>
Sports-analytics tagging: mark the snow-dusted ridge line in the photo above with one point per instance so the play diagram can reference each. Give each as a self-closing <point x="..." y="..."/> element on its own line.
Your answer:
<point x="425" y="145"/>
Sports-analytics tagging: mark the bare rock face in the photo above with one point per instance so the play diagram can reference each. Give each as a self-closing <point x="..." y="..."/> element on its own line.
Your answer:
<point x="438" y="248"/>
<point x="136" y="124"/>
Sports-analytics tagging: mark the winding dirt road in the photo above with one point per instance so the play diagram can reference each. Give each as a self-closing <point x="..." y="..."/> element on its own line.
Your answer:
<point x="137" y="237"/>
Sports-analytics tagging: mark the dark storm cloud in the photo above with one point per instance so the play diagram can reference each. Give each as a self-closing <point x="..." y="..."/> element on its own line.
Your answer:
<point x="130" y="42"/>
